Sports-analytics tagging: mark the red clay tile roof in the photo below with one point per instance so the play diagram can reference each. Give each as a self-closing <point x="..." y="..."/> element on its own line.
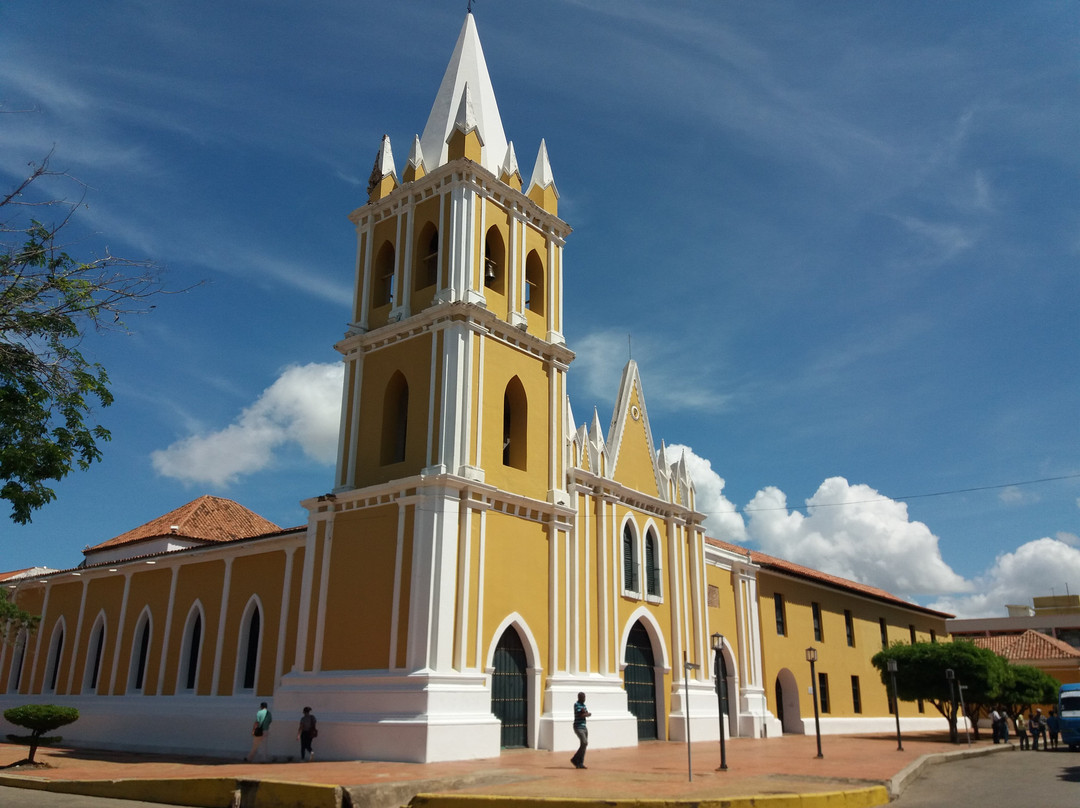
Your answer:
<point x="206" y="519"/>
<point x="15" y="573"/>
<point x="1031" y="644"/>
<point x="780" y="565"/>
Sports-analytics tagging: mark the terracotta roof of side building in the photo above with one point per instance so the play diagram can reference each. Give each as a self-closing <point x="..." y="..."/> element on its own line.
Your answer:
<point x="1027" y="646"/>
<point x="780" y="565"/>
<point x="206" y="519"/>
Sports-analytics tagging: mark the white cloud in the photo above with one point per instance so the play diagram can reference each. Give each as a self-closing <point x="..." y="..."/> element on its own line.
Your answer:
<point x="854" y="532"/>
<point x="724" y="521"/>
<point x="1033" y="569"/>
<point x="302" y="407"/>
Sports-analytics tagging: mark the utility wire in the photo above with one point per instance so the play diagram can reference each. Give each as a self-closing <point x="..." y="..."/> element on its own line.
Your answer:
<point x="914" y="496"/>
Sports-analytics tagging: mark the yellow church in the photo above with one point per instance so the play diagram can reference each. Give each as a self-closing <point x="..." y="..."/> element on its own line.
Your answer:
<point x="479" y="557"/>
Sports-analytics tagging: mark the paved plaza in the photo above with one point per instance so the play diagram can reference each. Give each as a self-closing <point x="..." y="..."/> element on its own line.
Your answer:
<point x="665" y="771"/>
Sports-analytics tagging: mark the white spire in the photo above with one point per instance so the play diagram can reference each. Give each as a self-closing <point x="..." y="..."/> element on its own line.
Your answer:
<point x="510" y="163"/>
<point x="384" y="162"/>
<point x="541" y="173"/>
<point x="467" y="66"/>
<point x="416" y="154"/>
<point x="465" y="120"/>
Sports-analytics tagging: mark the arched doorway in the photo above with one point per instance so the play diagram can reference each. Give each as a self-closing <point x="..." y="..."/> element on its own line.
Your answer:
<point x="639" y="679"/>
<point x="509" y="693"/>
<point x="724" y="688"/>
<point x="787" y="702"/>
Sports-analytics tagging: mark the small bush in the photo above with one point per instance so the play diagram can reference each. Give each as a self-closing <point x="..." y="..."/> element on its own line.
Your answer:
<point x="39" y="719"/>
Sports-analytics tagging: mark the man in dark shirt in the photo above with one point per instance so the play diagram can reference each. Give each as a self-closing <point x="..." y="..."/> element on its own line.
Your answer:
<point x="580" y="714"/>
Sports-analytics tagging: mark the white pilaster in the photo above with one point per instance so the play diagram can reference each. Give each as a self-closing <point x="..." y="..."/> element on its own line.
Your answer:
<point x="168" y="629"/>
<point x="320" y="614"/>
<point x="432" y="590"/>
<point x="226" y="585"/>
<point x="119" y="630"/>
<point x="78" y="636"/>
<point x="283" y="615"/>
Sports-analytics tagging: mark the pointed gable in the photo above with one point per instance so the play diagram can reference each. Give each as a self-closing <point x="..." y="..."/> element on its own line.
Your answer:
<point x="630" y="443"/>
<point x="467" y="66"/>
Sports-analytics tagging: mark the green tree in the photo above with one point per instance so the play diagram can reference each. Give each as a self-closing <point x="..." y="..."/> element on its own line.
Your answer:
<point x="921" y="674"/>
<point x="13" y="619"/>
<point x="39" y="719"/>
<point x="49" y="301"/>
<point x="1027" y="686"/>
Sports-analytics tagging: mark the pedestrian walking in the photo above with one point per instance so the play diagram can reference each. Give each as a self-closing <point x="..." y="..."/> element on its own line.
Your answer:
<point x="260" y="731"/>
<point x="1021" y="731"/>
<point x="306" y="732"/>
<point x="580" y="714"/>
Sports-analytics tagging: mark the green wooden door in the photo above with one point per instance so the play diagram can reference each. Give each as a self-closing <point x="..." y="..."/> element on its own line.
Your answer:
<point x="640" y="681"/>
<point x="508" y="689"/>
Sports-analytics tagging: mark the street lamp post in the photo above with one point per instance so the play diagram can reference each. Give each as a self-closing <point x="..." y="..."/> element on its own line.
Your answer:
<point x="687" y="667"/>
<point x="718" y="645"/>
<point x="967" y="724"/>
<point x="896" y="704"/>
<point x="950" y="676"/>
<point x="811" y="657"/>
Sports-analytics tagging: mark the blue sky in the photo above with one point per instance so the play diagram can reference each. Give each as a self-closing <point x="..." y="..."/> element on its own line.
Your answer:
<point x="843" y="239"/>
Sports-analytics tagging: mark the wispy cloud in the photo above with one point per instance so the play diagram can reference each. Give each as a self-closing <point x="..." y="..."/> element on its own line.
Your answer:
<point x="302" y="408"/>
<point x="679" y="379"/>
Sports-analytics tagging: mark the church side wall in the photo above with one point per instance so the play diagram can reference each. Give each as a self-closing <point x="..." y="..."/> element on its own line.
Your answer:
<point x="784" y="656"/>
<point x="360" y="589"/>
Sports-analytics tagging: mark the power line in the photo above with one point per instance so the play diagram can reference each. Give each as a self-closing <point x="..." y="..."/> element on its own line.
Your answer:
<point x="912" y="496"/>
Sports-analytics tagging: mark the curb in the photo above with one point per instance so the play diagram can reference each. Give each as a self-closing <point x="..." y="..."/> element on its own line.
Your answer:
<point x="914" y="770"/>
<point x="854" y="798"/>
<point x="213" y="792"/>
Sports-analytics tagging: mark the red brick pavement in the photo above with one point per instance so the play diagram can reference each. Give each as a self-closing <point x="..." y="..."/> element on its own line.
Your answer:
<point x="652" y="770"/>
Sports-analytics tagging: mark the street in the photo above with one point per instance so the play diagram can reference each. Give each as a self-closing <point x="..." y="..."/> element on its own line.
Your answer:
<point x="1044" y="779"/>
<point x="31" y="798"/>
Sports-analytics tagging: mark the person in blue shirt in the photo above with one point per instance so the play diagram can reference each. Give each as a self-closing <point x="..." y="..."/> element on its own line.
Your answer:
<point x="259" y="731"/>
<point x="580" y="714"/>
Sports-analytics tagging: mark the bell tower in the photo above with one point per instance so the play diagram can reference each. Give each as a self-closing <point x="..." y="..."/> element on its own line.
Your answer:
<point x="455" y="357"/>
<point x="453" y="445"/>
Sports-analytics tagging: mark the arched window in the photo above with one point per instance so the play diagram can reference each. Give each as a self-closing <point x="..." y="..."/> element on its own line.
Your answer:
<point x="191" y="649"/>
<point x="494" y="261"/>
<point x="426" y="268"/>
<point x="630" y="559"/>
<point x="395" y="420"/>
<point x="56" y="653"/>
<point x="18" y="655"/>
<point x="515" y="425"/>
<point x="652" y="566"/>
<point x="383" y="289"/>
<point x="140" y="654"/>
<point x="250" y="642"/>
<point x="534" y="283"/>
<point x="94" y="654"/>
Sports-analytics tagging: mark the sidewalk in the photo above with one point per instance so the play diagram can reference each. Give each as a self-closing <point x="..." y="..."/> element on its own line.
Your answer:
<point x="784" y="770"/>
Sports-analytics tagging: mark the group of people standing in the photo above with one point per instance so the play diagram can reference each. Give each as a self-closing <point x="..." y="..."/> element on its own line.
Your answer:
<point x="1028" y="730"/>
<point x="305" y="733"/>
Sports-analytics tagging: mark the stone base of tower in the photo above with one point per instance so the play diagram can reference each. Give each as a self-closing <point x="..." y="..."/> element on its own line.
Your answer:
<point x="420" y="717"/>
<point x="698" y="699"/>
<point x="611" y="724"/>
<point x="755" y="720"/>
